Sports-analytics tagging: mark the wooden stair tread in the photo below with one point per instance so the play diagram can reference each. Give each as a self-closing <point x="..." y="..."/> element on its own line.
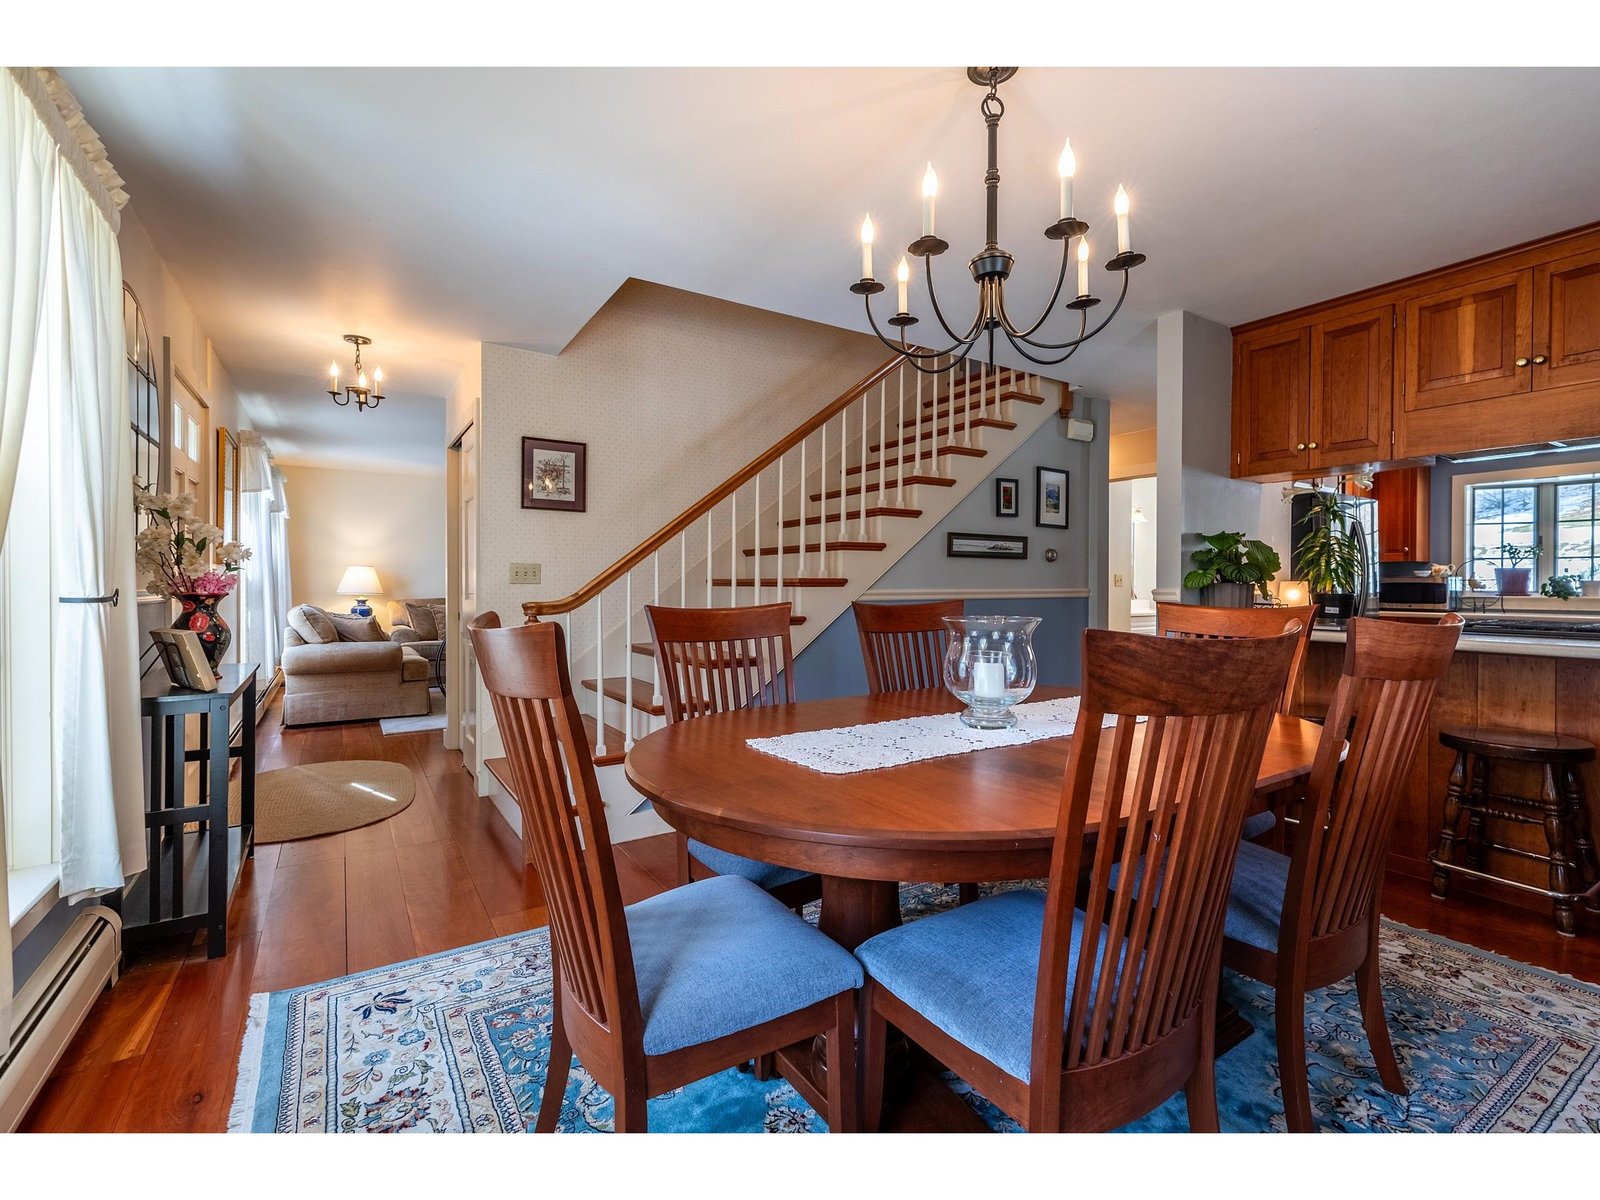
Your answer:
<point x="930" y="480"/>
<point x="873" y="511"/>
<point x="1012" y="394"/>
<point x="810" y="581"/>
<point x="816" y="548"/>
<point x="924" y="438"/>
<point x="648" y="650"/>
<point x="941" y="452"/>
<point x="627" y="690"/>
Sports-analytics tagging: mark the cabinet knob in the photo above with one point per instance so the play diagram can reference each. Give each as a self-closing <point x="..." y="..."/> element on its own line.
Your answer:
<point x="1538" y="359"/>
<point x="1299" y="445"/>
<point x="1522" y="362"/>
<point x="1313" y="445"/>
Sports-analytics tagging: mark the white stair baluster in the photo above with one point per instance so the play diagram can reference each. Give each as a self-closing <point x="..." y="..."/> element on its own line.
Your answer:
<point x="683" y="568"/>
<point x="822" y="497"/>
<point x="756" y="523"/>
<point x="778" y="594"/>
<point x="899" y="435"/>
<point x="917" y="462"/>
<point x="802" y="568"/>
<point x="844" y="460"/>
<point x="708" y="559"/>
<point x="883" y="443"/>
<point x="627" y="660"/>
<point x="600" y="675"/>
<point x="655" y="665"/>
<point x="733" y="549"/>
<point x="983" y="396"/>
<point x="861" y="518"/>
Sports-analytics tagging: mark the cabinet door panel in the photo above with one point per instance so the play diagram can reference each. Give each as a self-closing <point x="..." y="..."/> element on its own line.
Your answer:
<point x="1352" y="388"/>
<point x="1271" y="392"/>
<point x="1566" y="321"/>
<point x="1463" y="344"/>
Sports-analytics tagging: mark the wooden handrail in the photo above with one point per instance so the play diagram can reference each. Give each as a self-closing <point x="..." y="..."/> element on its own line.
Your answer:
<point x="533" y="609"/>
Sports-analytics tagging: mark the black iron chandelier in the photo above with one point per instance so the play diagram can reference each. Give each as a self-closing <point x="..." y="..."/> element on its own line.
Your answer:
<point x="364" y="394"/>
<point x="991" y="266"/>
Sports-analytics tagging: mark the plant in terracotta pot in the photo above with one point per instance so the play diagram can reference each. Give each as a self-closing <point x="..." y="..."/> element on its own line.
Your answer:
<point x="1230" y="569"/>
<point x="1515" y="580"/>
<point x="1329" y="556"/>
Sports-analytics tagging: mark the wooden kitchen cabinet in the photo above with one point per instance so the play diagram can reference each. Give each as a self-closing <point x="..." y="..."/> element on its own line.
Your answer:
<point x="1404" y="525"/>
<point x="1499" y="352"/>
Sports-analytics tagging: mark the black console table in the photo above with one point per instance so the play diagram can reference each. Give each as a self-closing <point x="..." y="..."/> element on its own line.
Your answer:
<point x="192" y="875"/>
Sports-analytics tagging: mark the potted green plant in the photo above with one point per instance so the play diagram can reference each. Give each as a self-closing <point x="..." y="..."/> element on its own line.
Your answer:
<point x="1515" y="579"/>
<point x="1329" y="556"/>
<point x="1561" y="587"/>
<point x="1230" y="569"/>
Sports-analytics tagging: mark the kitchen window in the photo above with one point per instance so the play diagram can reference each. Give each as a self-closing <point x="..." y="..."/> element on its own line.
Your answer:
<point x="1562" y="514"/>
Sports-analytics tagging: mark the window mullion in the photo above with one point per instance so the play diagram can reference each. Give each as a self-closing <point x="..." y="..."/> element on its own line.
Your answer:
<point x="1546" y="534"/>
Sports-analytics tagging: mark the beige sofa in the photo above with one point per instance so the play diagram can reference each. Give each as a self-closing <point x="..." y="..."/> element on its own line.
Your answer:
<point x="351" y="681"/>
<point x="402" y="633"/>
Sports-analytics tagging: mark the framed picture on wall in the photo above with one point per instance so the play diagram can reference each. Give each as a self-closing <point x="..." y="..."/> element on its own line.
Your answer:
<point x="554" y="474"/>
<point x="1051" y="499"/>
<point x="984" y="545"/>
<point x="1005" y="497"/>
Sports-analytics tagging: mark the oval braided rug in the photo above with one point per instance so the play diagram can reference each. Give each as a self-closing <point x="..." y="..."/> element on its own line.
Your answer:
<point x="309" y="801"/>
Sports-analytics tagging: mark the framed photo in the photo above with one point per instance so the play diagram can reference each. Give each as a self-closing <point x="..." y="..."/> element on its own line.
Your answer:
<point x="554" y="474"/>
<point x="1051" y="499"/>
<point x="1005" y="497"/>
<point x="984" y="545"/>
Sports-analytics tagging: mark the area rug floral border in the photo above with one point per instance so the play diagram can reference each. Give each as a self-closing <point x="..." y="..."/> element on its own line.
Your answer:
<point x="459" y="1042"/>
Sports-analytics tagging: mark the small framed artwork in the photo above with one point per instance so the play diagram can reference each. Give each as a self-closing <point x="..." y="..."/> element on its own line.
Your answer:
<point x="1005" y="497"/>
<point x="1052" y="499"/>
<point x="554" y="474"/>
<point x="984" y="545"/>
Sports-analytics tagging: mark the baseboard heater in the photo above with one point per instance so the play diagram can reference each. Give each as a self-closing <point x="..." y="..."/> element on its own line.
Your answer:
<point x="52" y="1005"/>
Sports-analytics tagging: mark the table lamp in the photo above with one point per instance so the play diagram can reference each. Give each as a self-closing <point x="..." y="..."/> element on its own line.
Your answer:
<point x="360" y="582"/>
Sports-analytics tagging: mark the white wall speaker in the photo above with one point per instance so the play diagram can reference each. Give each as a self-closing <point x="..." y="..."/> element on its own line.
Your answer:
<point x="1079" y="430"/>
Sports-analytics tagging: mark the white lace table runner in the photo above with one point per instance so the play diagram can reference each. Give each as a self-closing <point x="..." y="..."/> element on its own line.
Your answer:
<point x="871" y="747"/>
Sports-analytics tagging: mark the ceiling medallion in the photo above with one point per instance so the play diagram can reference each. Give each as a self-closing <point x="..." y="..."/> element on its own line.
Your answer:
<point x="991" y="266"/>
<point x="364" y="394"/>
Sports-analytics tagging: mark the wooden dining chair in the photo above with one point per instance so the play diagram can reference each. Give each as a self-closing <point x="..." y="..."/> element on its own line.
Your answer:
<point x="1085" y="1019"/>
<point x="1309" y="918"/>
<point x="903" y="645"/>
<point x="1205" y="621"/>
<point x="657" y="994"/>
<point x="714" y="660"/>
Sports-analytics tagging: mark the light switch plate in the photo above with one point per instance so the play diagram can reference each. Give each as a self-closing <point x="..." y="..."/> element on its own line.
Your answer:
<point x="525" y="572"/>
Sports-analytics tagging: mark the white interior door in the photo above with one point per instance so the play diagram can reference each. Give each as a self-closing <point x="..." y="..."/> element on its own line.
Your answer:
<point x="467" y="541"/>
<point x="189" y="436"/>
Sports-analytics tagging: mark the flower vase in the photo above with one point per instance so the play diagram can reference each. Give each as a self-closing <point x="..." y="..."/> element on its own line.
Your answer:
<point x="199" y="616"/>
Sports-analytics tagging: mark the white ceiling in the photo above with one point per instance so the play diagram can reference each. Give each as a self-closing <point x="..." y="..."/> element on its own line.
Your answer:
<point x="435" y="208"/>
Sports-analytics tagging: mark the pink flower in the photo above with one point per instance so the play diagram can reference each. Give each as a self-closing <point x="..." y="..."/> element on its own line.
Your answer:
<point x="215" y="583"/>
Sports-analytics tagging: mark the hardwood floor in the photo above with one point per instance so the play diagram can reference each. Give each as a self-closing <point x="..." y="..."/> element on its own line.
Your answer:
<point x="159" y="1051"/>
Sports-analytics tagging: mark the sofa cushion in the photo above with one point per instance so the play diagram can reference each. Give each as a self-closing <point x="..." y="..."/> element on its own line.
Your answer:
<point x="356" y="629"/>
<point x="343" y="658"/>
<point x="420" y="617"/>
<point x="312" y="624"/>
<point x="412" y="665"/>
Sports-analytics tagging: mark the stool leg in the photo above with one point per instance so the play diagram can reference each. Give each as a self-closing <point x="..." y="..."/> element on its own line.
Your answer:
<point x="1452" y="823"/>
<point x="1477" y="797"/>
<point x="1583" y="845"/>
<point x="1557" y="834"/>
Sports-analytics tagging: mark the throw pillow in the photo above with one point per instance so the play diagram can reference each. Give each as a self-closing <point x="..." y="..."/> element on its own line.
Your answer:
<point x="312" y="624"/>
<point x="421" y="618"/>
<point x="356" y="629"/>
<point x="439" y="623"/>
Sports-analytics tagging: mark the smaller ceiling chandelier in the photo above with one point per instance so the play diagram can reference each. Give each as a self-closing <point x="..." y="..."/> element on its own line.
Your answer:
<point x="991" y="266"/>
<point x="365" y="394"/>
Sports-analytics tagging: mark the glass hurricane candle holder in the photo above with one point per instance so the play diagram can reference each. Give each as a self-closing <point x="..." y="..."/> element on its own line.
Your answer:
<point x="989" y="666"/>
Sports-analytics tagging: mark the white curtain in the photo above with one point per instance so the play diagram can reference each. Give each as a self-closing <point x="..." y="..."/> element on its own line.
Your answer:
<point x="265" y="583"/>
<point x="27" y="180"/>
<point x="99" y="772"/>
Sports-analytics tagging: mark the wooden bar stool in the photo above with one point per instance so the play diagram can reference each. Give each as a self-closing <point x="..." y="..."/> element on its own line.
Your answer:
<point x="1560" y="807"/>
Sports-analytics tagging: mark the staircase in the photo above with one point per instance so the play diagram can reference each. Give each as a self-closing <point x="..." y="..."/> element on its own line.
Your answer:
<point x="815" y="520"/>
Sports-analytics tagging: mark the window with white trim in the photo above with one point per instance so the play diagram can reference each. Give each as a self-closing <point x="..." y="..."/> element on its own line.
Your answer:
<point x="1561" y="515"/>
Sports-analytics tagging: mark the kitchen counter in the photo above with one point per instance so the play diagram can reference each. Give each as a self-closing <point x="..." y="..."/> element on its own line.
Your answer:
<point x="1483" y="643"/>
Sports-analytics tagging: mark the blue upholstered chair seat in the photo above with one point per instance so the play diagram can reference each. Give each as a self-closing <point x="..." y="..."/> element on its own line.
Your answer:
<point x="763" y="875"/>
<point x="973" y="972"/>
<point x="1255" y="906"/>
<point x="720" y="955"/>
<point x="1260" y="823"/>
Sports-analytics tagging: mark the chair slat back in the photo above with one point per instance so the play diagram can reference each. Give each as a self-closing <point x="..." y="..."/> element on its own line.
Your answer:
<point x="1181" y="781"/>
<point x="524" y="669"/>
<point x="717" y="659"/>
<point x="1205" y="621"/>
<point x="1392" y="672"/>
<point x="903" y="645"/>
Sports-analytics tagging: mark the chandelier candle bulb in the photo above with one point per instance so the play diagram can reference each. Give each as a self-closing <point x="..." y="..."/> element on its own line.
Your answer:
<point x="1067" y="166"/>
<point x="930" y="189"/>
<point x="1083" y="266"/>
<point x="1120" y="207"/>
<point x="866" y="247"/>
<point x="902" y="275"/>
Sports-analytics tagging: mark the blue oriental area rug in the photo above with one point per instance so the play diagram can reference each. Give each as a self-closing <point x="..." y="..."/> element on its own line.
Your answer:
<point x="459" y="1042"/>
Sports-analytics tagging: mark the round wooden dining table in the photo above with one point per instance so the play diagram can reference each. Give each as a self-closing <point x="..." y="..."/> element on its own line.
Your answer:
<point x="978" y="817"/>
<point x="967" y="818"/>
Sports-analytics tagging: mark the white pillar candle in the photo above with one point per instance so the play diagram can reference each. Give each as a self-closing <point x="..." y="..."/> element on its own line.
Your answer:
<point x="866" y="247"/>
<point x="1066" y="166"/>
<point x="902" y="275"/>
<point x="930" y="189"/>
<point x="1120" y="207"/>
<point x="1083" y="266"/>
<point x="989" y="680"/>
